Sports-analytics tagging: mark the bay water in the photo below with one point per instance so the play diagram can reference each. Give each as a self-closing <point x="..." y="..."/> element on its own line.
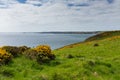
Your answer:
<point x="34" y="39"/>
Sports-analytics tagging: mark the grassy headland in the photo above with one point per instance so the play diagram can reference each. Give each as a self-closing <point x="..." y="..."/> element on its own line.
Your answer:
<point x="97" y="58"/>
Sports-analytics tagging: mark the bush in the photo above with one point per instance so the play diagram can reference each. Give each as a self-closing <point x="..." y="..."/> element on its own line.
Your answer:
<point x="51" y="56"/>
<point x="41" y="54"/>
<point x="45" y="49"/>
<point x="96" y="44"/>
<point x="15" y="51"/>
<point x="44" y="53"/>
<point x="23" y="48"/>
<point x="11" y="49"/>
<point x="5" y="57"/>
<point x="31" y="54"/>
<point x="70" y="56"/>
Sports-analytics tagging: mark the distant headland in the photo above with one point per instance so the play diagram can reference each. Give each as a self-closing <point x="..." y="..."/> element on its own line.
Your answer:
<point x="70" y="32"/>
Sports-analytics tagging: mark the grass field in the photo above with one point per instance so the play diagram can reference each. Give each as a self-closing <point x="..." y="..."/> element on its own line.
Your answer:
<point x="97" y="58"/>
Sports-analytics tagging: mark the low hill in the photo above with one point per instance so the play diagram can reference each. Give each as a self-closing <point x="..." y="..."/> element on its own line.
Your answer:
<point x="99" y="36"/>
<point x="97" y="58"/>
<point x="103" y="35"/>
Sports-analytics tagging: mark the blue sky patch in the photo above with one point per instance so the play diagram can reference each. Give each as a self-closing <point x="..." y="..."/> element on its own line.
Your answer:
<point x="22" y="1"/>
<point x="110" y="1"/>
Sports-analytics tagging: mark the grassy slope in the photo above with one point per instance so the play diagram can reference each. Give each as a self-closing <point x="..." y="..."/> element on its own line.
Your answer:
<point x="89" y="62"/>
<point x="103" y="35"/>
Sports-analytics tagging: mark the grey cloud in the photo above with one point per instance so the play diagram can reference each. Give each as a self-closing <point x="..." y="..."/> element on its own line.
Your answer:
<point x="79" y="15"/>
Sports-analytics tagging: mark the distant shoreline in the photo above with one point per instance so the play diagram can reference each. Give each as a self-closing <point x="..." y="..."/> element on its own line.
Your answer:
<point x="94" y="32"/>
<point x="58" y="32"/>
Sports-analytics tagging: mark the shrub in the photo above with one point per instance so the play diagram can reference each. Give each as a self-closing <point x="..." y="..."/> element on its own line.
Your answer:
<point x="70" y="56"/>
<point x="11" y="49"/>
<point x="96" y="44"/>
<point x="5" y="57"/>
<point x="23" y="48"/>
<point x="44" y="53"/>
<point x="31" y="54"/>
<point x="51" y="56"/>
<point x="45" y="49"/>
<point x="15" y="51"/>
<point x="41" y="54"/>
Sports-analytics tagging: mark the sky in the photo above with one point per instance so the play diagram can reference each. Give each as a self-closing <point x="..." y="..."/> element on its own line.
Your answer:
<point x="59" y="15"/>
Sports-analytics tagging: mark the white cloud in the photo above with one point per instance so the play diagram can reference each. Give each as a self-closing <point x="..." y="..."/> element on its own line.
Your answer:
<point x="58" y="16"/>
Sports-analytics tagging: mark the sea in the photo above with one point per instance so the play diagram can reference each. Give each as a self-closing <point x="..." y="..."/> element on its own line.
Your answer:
<point x="33" y="39"/>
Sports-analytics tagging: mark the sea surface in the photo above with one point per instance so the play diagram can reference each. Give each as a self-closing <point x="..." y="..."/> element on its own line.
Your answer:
<point x="34" y="39"/>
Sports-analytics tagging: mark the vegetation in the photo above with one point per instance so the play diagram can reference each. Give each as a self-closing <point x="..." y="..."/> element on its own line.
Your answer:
<point x="41" y="54"/>
<point x="103" y="35"/>
<point x="15" y="51"/>
<point x="44" y="51"/>
<point x="30" y="53"/>
<point x="5" y="57"/>
<point x="97" y="59"/>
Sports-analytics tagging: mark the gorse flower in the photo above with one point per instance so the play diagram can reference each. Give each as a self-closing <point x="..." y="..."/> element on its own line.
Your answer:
<point x="14" y="50"/>
<point x="44" y="53"/>
<point x="43" y="49"/>
<point x="2" y="51"/>
<point x="5" y="57"/>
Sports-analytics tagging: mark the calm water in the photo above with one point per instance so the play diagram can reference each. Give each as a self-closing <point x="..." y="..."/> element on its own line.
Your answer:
<point x="34" y="39"/>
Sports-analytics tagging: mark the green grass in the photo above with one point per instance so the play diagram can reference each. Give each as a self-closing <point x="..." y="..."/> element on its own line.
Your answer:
<point x="103" y="35"/>
<point x="82" y="61"/>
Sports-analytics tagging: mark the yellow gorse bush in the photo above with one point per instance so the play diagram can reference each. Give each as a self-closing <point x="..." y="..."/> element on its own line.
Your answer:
<point x="43" y="49"/>
<point x="5" y="57"/>
<point x="2" y="52"/>
<point x="44" y="53"/>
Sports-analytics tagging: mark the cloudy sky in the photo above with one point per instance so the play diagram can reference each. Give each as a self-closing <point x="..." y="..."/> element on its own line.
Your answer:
<point x="59" y="15"/>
